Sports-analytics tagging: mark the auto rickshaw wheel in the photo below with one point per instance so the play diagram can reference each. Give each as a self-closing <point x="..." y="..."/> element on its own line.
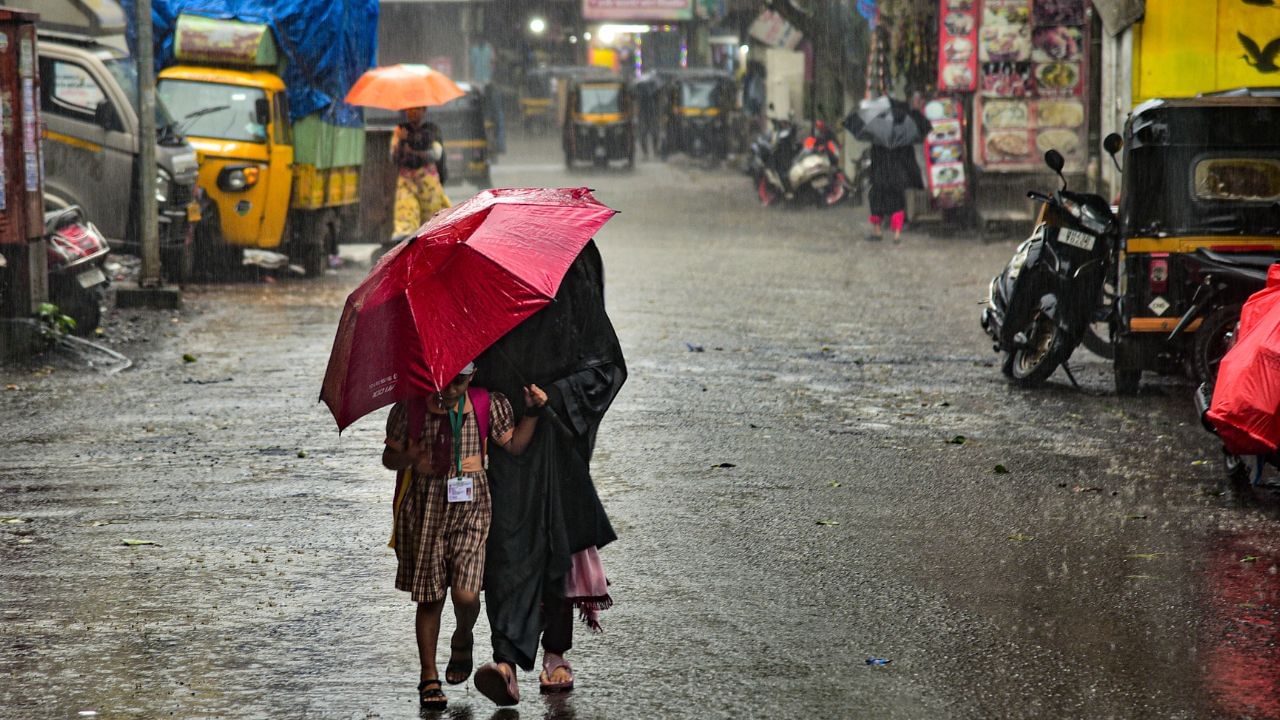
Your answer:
<point x="1215" y="336"/>
<point x="1126" y="370"/>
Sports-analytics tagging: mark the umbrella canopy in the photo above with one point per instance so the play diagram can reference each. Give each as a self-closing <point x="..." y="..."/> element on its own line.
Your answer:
<point x="436" y="301"/>
<point x="399" y="87"/>
<point x="884" y="122"/>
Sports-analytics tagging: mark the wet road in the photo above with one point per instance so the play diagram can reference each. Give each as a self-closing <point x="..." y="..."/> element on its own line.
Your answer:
<point x="1100" y="577"/>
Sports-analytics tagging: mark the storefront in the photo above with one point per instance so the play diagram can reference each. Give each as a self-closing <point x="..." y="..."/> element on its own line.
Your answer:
<point x="1007" y="80"/>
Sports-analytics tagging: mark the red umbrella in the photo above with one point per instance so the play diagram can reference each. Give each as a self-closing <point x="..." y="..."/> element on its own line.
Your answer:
<point x="437" y="300"/>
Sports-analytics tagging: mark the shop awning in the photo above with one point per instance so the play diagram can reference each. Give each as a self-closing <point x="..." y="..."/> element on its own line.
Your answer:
<point x="1118" y="15"/>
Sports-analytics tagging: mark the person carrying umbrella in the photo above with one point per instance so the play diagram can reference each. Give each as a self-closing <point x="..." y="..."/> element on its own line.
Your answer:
<point x="893" y="128"/>
<point x="417" y="148"/>
<point x="443" y="509"/>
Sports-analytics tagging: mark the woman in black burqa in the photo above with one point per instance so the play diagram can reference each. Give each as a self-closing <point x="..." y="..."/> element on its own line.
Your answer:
<point x="547" y="517"/>
<point x="893" y="169"/>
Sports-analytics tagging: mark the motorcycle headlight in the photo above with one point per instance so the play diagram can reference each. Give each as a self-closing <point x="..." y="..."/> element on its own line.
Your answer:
<point x="162" y="185"/>
<point x="1093" y="221"/>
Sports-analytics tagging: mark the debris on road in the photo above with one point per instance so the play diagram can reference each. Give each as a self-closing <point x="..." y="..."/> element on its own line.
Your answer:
<point x="878" y="662"/>
<point x="1000" y="470"/>
<point x="188" y="358"/>
<point x="1086" y="489"/>
<point x="828" y="522"/>
<point x="694" y="348"/>
<point x="1019" y="537"/>
<point x="1250" y="558"/>
<point x="724" y="465"/>
<point x="264" y="259"/>
<point x="132" y="542"/>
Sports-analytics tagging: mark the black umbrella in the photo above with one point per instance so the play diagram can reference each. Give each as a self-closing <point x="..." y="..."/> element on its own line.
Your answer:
<point x="884" y="122"/>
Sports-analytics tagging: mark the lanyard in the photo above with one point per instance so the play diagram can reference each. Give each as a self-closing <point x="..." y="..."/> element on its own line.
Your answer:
<point x="457" y="416"/>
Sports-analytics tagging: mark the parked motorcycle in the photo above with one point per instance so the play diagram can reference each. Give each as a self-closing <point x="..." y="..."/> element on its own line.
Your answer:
<point x="1040" y="307"/>
<point x="772" y="153"/>
<point x="77" y="284"/>
<point x="803" y="171"/>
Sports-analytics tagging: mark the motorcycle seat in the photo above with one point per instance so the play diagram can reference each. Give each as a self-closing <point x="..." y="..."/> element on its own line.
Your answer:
<point x="55" y="219"/>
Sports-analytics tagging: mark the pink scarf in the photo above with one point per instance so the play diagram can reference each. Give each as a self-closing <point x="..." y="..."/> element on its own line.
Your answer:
<point x="587" y="587"/>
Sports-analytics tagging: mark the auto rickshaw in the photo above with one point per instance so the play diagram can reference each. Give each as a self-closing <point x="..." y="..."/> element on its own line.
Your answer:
<point x="599" y="122"/>
<point x="537" y="100"/>
<point x="700" y="110"/>
<point x="1199" y="209"/>
<point x="464" y="124"/>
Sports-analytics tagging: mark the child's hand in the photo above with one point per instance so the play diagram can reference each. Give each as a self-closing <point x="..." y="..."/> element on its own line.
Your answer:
<point x="534" y="397"/>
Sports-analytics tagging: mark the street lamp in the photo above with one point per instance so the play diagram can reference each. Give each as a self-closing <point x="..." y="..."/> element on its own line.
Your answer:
<point x="537" y="26"/>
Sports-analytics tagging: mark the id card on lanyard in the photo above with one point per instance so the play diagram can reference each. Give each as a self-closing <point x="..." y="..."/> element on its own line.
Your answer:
<point x="459" y="487"/>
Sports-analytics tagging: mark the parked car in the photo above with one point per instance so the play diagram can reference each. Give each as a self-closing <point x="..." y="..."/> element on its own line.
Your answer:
<point x="87" y="94"/>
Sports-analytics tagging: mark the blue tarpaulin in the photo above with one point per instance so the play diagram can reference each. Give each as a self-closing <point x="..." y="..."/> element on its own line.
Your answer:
<point x="328" y="44"/>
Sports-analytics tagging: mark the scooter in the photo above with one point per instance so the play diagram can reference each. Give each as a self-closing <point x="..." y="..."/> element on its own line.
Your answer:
<point x="77" y="284"/>
<point x="1240" y="469"/>
<point x="815" y="173"/>
<point x="1039" y="308"/>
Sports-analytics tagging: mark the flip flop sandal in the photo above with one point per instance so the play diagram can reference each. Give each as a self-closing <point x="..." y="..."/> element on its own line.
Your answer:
<point x="549" y="668"/>
<point x="493" y="684"/>
<point x="431" y="696"/>
<point x="459" y="665"/>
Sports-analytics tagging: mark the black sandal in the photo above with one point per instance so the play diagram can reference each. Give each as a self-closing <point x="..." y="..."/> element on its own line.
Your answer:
<point x="431" y="695"/>
<point x="459" y="666"/>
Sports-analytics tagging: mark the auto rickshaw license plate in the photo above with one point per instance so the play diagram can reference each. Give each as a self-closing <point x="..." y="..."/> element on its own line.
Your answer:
<point x="1075" y="238"/>
<point x="193" y="212"/>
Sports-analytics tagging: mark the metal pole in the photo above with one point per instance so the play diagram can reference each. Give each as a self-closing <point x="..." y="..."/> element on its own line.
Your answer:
<point x="148" y="217"/>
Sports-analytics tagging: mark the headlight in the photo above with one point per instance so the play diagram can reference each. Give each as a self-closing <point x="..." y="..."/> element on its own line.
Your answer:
<point x="1092" y="220"/>
<point x="162" y="185"/>
<point x="236" y="178"/>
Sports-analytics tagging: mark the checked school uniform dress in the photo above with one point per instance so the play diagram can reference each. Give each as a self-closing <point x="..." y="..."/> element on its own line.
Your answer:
<point x="440" y="544"/>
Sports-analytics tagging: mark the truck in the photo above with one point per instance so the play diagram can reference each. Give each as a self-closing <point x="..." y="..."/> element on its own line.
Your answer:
<point x="88" y="101"/>
<point x="260" y="98"/>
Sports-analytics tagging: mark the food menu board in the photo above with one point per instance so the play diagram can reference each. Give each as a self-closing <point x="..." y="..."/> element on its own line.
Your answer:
<point x="944" y="153"/>
<point x="958" y="41"/>
<point x="1031" y="99"/>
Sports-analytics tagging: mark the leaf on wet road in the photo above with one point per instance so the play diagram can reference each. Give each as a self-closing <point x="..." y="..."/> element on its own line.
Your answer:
<point x="12" y="386"/>
<point x="1135" y="517"/>
<point x="1140" y="577"/>
<point x="1019" y="537"/>
<point x="302" y="453"/>
<point x="1199" y="462"/>
<point x="13" y="520"/>
<point x="1085" y="489"/>
<point x="957" y="440"/>
<point x="188" y="358"/>
<point x="1000" y="470"/>
<point x="1146" y="556"/>
<point x="134" y="542"/>
<point x="724" y="465"/>
<point x="828" y="522"/>
<point x="835" y="483"/>
<point x="1250" y="558"/>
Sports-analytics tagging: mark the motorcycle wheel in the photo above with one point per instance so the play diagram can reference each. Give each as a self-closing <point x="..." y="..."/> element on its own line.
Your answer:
<point x="84" y="305"/>
<point x="1215" y="336"/>
<point x="1031" y="365"/>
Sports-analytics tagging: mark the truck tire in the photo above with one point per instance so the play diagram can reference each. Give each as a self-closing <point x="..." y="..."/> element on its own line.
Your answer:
<point x="313" y="248"/>
<point x="213" y="260"/>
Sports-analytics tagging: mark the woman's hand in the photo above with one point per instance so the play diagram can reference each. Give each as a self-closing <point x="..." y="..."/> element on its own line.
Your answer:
<point x="534" y="397"/>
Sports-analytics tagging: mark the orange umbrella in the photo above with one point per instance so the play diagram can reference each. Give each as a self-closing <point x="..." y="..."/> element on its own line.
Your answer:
<point x="399" y="87"/>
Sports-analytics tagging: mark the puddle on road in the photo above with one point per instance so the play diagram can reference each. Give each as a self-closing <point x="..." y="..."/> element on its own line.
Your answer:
<point x="1241" y="582"/>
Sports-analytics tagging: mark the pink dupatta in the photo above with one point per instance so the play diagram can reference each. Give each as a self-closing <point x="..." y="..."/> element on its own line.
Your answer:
<point x="587" y="587"/>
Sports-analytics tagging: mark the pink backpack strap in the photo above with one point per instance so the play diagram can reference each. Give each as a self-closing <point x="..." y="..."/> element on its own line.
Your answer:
<point x="480" y="402"/>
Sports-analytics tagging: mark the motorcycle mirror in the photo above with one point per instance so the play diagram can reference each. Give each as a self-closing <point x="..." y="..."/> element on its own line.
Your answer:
<point x="1055" y="161"/>
<point x="1113" y="143"/>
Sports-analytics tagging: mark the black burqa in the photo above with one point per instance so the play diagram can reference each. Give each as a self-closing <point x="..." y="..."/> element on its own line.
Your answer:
<point x="545" y="507"/>
<point x="893" y="170"/>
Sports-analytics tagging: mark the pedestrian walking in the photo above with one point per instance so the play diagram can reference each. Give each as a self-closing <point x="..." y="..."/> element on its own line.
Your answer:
<point x="442" y="510"/>
<point x="647" y="113"/>
<point x="543" y="560"/>
<point x="893" y="128"/>
<point x="417" y="149"/>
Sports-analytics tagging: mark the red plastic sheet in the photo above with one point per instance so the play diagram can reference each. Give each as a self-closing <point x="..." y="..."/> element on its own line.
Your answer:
<point x="1246" y="396"/>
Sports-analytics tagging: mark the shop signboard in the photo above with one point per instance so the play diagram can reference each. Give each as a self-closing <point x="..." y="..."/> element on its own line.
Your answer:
<point x="625" y="10"/>
<point x="944" y="153"/>
<point x="1182" y="49"/>
<point x="1031" y="98"/>
<point x="770" y="29"/>
<point x="958" y="46"/>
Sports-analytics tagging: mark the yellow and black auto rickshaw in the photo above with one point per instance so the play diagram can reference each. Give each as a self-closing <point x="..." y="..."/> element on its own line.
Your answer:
<point x="463" y="123"/>
<point x="1199" y="217"/>
<point x="537" y="100"/>
<point x="599" y="122"/>
<point x="700" y="110"/>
